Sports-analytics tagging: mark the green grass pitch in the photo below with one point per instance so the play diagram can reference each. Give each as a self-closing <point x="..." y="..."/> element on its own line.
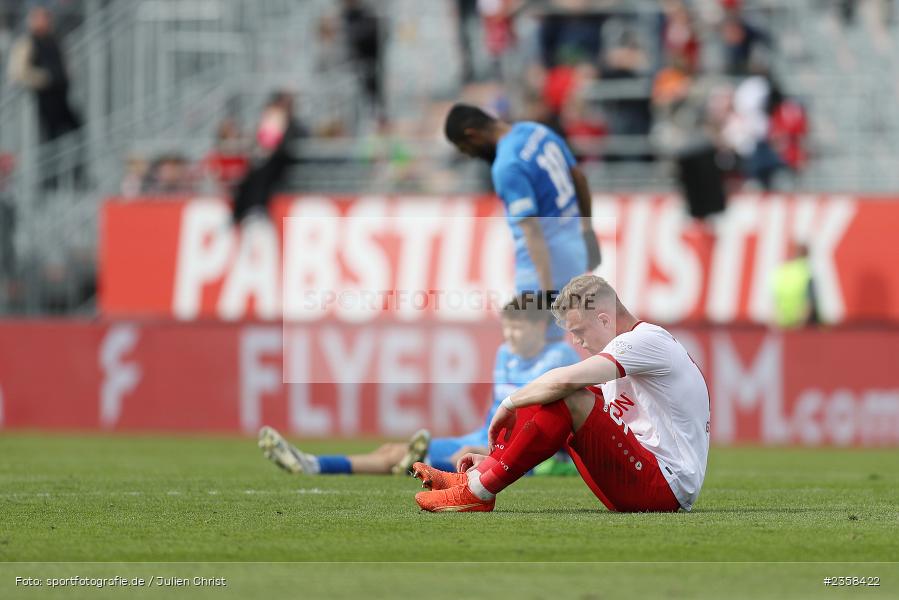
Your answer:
<point x="769" y="523"/>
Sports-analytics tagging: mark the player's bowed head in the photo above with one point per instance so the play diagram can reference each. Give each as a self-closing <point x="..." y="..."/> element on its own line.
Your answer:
<point x="590" y="310"/>
<point x="474" y="132"/>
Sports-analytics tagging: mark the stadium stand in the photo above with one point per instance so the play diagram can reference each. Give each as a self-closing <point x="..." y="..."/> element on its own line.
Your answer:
<point x="155" y="79"/>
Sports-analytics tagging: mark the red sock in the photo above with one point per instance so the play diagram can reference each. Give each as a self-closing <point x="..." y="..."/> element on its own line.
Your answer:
<point x="523" y="416"/>
<point x="538" y="439"/>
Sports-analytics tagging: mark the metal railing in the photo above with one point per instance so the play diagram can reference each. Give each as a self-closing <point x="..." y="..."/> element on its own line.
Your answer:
<point x="139" y="68"/>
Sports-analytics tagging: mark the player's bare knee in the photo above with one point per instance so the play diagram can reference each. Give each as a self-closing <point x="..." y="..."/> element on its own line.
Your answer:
<point x="580" y="405"/>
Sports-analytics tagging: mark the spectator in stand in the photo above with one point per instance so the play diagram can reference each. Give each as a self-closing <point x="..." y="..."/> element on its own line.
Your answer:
<point x="272" y="155"/>
<point x="680" y="40"/>
<point x="466" y="12"/>
<point x="743" y="41"/>
<point x="747" y="129"/>
<point x="561" y="106"/>
<point x="562" y="82"/>
<point x="625" y="58"/>
<point x="6" y="37"/>
<point x="847" y="10"/>
<point x="788" y="131"/>
<point x="227" y="163"/>
<point x="568" y="28"/>
<point x="37" y="63"/>
<point x="879" y="13"/>
<point x="329" y="51"/>
<point x="363" y="35"/>
<point x="682" y="134"/>
<point x="393" y="159"/>
<point x="136" y="169"/>
<point x="169" y="175"/>
<point x="584" y="129"/>
<point x="498" y="17"/>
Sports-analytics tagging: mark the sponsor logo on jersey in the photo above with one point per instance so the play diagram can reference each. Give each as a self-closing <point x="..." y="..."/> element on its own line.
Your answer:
<point x="622" y="347"/>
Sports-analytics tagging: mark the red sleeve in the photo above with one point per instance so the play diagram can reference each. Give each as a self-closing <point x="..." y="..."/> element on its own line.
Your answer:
<point x="621" y="372"/>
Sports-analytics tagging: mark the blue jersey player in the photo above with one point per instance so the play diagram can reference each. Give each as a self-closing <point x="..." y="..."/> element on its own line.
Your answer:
<point x="545" y="194"/>
<point x="524" y="355"/>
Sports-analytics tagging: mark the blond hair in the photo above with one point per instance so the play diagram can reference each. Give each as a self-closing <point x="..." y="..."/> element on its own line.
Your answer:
<point x="587" y="292"/>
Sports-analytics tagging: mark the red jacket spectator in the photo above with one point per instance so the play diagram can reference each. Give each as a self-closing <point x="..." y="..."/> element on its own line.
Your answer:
<point x="680" y="38"/>
<point x="225" y="168"/>
<point x="499" y="32"/>
<point x="227" y="162"/>
<point x="788" y="128"/>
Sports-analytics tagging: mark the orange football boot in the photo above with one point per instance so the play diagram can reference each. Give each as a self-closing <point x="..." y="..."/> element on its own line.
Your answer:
<point x="435" y="479"/>
<point x="455" y="499"/>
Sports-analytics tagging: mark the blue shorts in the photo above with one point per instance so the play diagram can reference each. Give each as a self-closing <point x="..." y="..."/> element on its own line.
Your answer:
<point x="441" y="450"/>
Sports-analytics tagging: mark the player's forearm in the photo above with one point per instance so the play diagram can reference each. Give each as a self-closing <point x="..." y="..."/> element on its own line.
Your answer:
<point x="549" y="387"/>
<point x="538" y="251"/>
<point x="561" y="382"/>
<point x="584" y="200"/>
<point x="544" y="271"/>
<point x="585" y="205"/>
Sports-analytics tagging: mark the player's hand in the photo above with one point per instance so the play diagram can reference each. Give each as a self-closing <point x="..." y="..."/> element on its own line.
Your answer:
<point x="468" y="461"/>
<point x="594" y="256"/>
<point x="456" y="458"/>
<point x="503" y="419"/>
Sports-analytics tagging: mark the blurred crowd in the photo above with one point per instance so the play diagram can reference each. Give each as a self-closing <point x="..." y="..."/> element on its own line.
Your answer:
<point x="692" y="79"/>
<point x="249" y="161"/>
<point x="246" y="166"/>
<point x="688" y="82"/>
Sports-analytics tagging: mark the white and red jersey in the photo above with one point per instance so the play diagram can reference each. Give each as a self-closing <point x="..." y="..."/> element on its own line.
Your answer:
<point x="663" y="398"/>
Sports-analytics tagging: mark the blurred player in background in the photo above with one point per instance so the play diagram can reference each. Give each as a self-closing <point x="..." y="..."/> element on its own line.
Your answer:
<point x="634" y="417"/>
<point x="524" y="355"/>
<point x="546" y="197"/>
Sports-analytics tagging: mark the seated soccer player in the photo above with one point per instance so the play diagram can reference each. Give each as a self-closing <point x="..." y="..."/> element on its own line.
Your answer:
<point x="634" y="417"/>
<point x="524" y="355"/>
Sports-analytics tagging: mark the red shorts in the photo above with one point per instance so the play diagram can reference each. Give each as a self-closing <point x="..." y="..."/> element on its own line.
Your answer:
<point x="623" y="474"/>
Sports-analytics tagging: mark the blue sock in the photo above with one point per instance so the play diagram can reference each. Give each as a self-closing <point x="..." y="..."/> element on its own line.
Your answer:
<point x="337" y="463"/>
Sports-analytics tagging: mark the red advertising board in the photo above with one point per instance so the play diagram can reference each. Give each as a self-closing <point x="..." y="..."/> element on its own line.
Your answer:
<point x="182" y="260"/>
<point x="828" y="387"/>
